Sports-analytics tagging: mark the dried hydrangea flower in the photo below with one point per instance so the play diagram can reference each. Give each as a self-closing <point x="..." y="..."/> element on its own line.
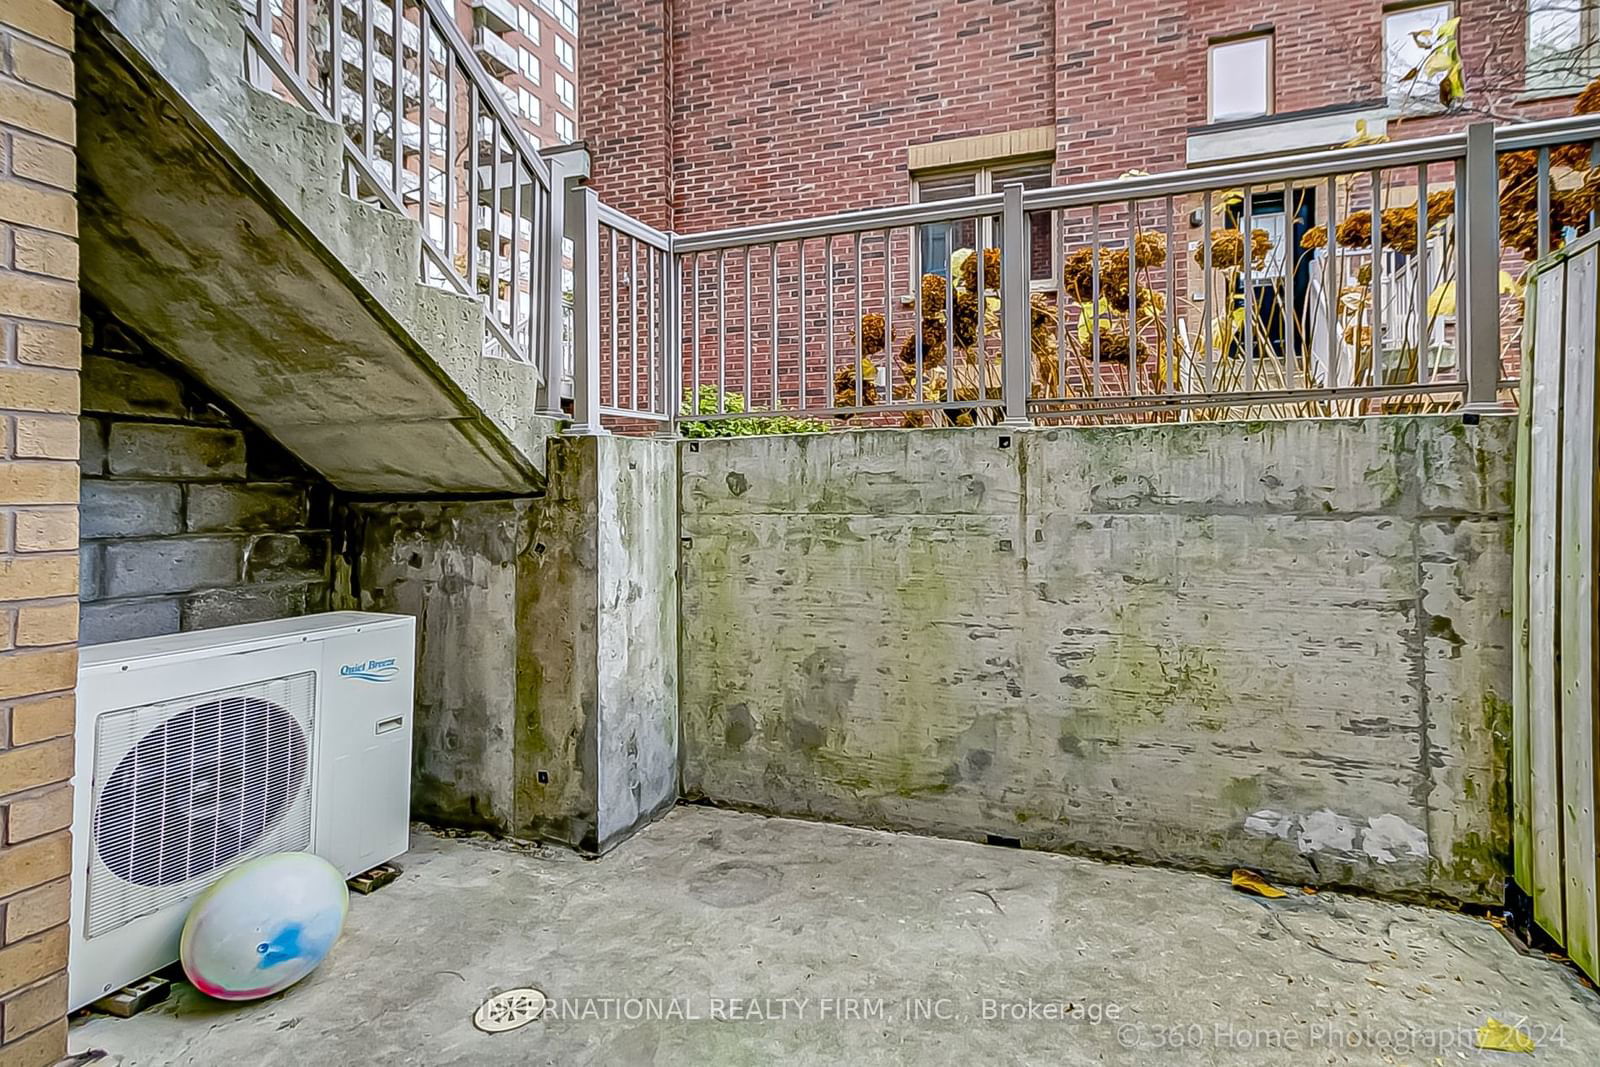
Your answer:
<point x="1399" y="228"/>
<point x="1149" y="249"/>
<point x="872" y="334"/>
<point x="991" y="271"/>
<point x="1441" y="205"/>
<point x="1355" y="231"/>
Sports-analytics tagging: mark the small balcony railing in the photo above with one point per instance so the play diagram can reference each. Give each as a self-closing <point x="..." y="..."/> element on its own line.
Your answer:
<point x="1354" y="281"/>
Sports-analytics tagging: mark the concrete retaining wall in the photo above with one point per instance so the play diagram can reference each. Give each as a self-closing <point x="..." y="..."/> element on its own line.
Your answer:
<point x="547" y="642"/>
<point x="1278" y="645"/>
<point x="190" y="517"/>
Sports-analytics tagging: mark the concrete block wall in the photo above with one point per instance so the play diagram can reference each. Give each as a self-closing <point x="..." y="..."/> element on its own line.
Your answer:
<point x="39" y="358"/>
<point x="1280" y="645"/>
<point x="191" y="517"/>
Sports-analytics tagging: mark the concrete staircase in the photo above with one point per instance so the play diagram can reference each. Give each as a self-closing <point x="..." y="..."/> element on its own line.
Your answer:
<point x="214" y="222"/>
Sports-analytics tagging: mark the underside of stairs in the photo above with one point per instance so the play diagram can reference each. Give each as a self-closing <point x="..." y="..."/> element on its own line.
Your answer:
<point x="214" y="222"/>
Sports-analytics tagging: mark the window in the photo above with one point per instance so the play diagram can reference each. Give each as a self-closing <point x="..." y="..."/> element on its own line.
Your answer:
<point x="529" y="64"/>
<point x="569" y="17"/>
<point x="566" y="92"/>
<point x="528" y="105"/>
<point x="566" y="55"/>
<point x="528" y="23"/>
<point x="566" y="129"/>
<point x="1408" y="37"/>
<point x="1239" y="78"/>
<point x="1563" y="43"/>
<point x="940" y="241"/>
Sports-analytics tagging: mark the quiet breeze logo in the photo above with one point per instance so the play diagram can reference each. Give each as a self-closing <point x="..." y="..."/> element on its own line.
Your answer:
<point x="374" y="670"/>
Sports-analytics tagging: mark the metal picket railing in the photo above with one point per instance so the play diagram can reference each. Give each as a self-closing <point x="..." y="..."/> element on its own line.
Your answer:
<point x="427" y="133"/>
<point x="1352" y="281"/>
<point x="1360" y="280"/>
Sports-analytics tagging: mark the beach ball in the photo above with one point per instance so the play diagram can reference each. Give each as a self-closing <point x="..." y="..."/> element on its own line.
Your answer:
<point x="263" y="926"/>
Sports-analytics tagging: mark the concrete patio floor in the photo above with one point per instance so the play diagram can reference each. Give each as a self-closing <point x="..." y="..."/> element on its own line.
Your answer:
<point x="723" y="938"/>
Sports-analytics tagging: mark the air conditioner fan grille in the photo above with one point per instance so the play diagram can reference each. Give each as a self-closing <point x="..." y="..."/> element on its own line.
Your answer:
<point x="185" y="789"/>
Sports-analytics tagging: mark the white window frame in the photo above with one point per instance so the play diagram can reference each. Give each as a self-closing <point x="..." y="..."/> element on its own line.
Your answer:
<point x="566" y="53"/>
<point x="1267" y="37"/>
<point x="566" y="92"/>
<point x="1416" y="95"/>
<point x="1587" y="65"/>
<point x="528" y="23"/>
<point x="566" y="129"/>
<point x="526" y="96"/>
<point x="529" y="63"/>
<point x="983" y="184"/>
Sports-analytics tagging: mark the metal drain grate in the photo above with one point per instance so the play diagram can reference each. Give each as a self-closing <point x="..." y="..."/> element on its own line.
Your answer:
<point x="509" y="1010"/>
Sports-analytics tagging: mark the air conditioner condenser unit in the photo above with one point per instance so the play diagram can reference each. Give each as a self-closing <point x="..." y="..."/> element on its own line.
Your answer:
<point x="199" y="751"/>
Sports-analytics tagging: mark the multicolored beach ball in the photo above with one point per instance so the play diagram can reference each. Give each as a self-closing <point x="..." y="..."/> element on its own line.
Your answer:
<point x="263" y="926"/>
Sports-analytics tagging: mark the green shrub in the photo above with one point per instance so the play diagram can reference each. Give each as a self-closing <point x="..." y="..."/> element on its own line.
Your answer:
<point x="749" y="426"/>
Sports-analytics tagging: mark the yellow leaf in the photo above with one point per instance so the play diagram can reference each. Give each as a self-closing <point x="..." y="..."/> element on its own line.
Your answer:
<point x="1498" y="1037"/>
<point x="1509" y="286"/>
<point x="1249" y="880"/>
<point x="1442" y="301"/>
<point x="1086" y="319"/>
<point x="958" y="259"/>
<point x="1438" y="61"/>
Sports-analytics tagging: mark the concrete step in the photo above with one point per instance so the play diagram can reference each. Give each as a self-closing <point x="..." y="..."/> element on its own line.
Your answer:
<point x="214" y="222"/>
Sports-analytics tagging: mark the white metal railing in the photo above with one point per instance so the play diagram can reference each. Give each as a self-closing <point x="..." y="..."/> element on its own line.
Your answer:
<point x="427" y="134"/>
<point x="1352" y="281"/>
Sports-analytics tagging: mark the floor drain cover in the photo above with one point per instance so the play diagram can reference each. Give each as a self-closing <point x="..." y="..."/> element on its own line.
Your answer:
<point x="509" y="1010"/>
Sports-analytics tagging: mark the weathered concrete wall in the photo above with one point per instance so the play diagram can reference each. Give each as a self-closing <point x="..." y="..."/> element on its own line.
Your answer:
<point x="456" y="566"/>
<point x="547" y="639"/>
<point x="637" y="574"/>
<point x="1279" y="645"/>
<point x="191" y="517"/>
<point x="602" y="711"/>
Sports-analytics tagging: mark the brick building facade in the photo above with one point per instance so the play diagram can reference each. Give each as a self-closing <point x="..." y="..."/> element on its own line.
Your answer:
<point x="703" y="115"/>
<point x="531" y="47"/>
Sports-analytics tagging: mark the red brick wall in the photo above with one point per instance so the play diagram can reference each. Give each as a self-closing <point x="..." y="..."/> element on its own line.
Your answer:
<point x="625" y="81"/>
<point x="791" y="108"/>
<point x="786" y="108"/>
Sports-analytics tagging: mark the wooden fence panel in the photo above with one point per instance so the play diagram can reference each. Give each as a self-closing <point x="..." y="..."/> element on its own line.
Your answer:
<point x="1554" y="762"/>
<point x="1575" y="601"/>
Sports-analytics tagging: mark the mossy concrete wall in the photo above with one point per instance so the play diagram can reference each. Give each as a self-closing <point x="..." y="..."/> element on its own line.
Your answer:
<point x="1278" y="645"/>
<point x="599" y="715"/>
<point x="546" y="639"/>
<point x="456" y="566"/>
